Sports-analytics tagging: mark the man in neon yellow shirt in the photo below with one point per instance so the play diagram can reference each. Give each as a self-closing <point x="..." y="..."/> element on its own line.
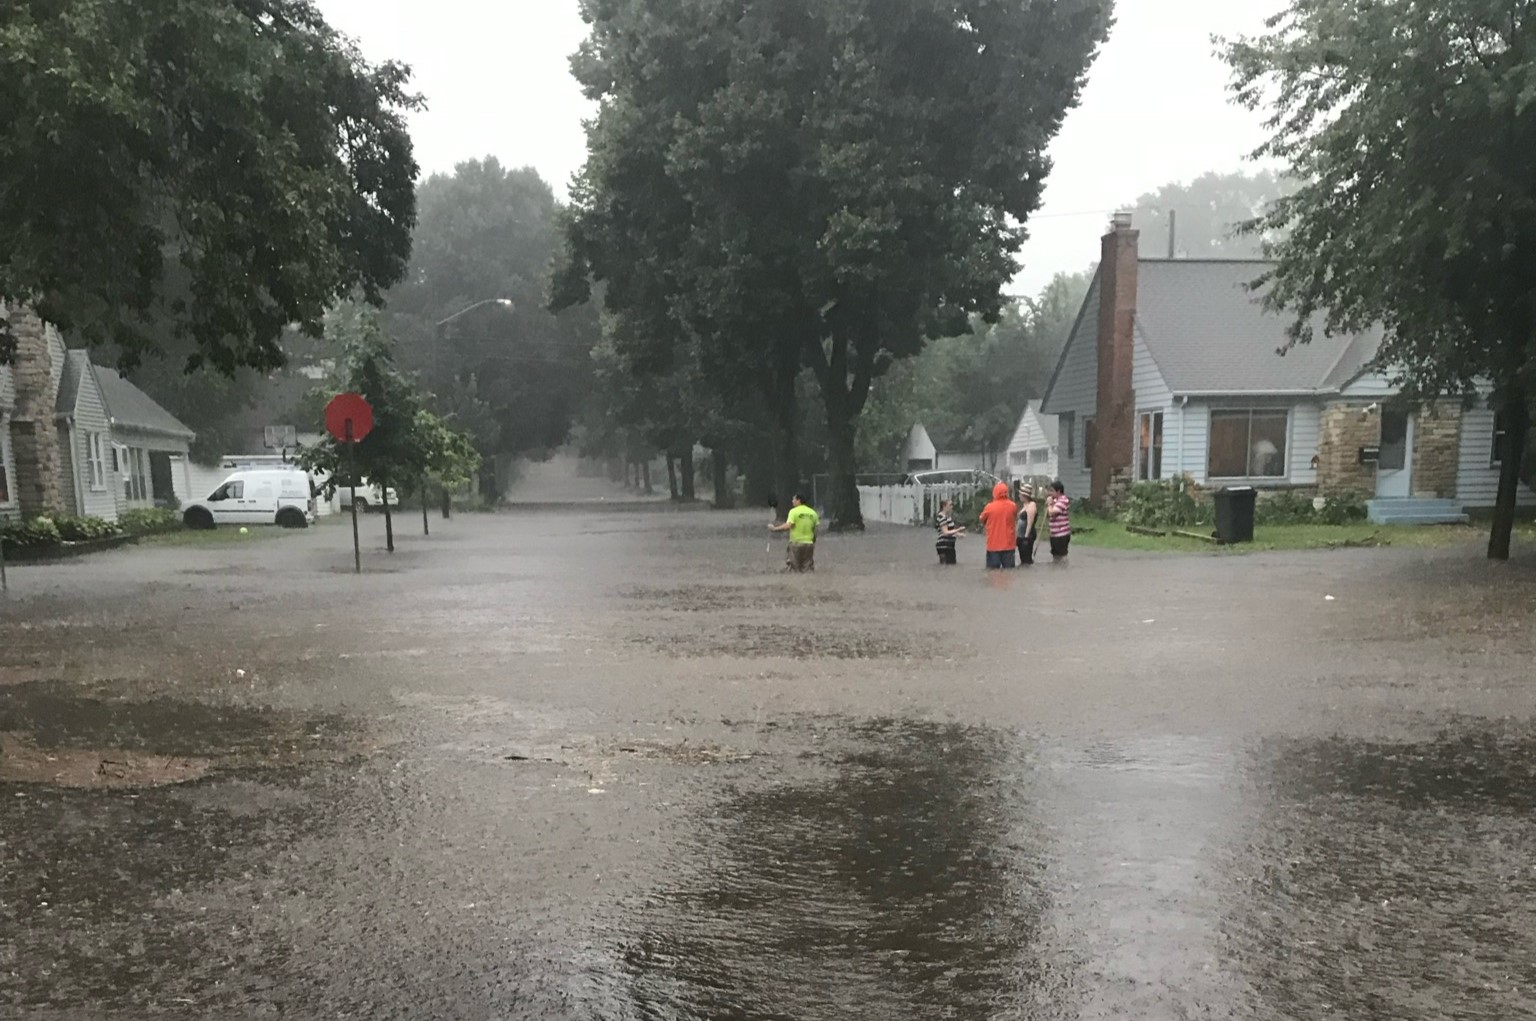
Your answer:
<point x="800" y="523"/>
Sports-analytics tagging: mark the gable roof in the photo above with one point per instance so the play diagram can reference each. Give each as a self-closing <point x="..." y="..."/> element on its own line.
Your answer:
<point x="132" y="408"/>
<point x="1209" y="333"/>
<point x="1050" y="425"/>
<point x="77" y="365"/>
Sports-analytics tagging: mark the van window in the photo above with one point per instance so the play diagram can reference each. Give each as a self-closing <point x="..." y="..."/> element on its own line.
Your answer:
<point x="229" y="491"/>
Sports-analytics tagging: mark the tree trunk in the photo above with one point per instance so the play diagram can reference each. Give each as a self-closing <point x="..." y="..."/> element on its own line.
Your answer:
<point x="1517" y="421"/>
<point x="645" y="474"/>
<point x="719" y="470"/>
<point x="389" y="520"/>
<point x="426" y="528"/>
<point x="447" y="502"/>
<point x="686" y="470"/>
<point x="672" y="475"/>
<point x="843" y="499"/>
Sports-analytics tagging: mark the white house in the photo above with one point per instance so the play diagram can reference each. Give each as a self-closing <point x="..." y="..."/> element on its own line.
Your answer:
<point x="77" y="438"/>
<point x="925" y="451"/>
<point x="1174" y="368"/>
<point x="1033" y="451"/>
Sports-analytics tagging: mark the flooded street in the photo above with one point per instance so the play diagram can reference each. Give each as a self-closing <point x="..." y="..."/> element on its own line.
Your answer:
<point x="609" y="763"/>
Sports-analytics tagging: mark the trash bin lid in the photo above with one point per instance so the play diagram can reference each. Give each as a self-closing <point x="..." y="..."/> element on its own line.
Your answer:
<point x="1236" y="489"/>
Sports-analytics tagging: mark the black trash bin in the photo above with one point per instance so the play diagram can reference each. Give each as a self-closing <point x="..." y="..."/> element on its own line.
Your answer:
<point x="1234" y="513"/>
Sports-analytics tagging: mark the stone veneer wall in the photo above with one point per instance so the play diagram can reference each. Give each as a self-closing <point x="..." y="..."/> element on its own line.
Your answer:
<point x="34" y="438"/>
<point x="1345" y="428"/>
<point x="1437" y="450"/>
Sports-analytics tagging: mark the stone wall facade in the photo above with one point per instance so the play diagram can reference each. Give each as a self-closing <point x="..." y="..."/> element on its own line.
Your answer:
<point x="34" y="438"/>
<point x="1345" y="428"/>
<point x="1437" y="450"/>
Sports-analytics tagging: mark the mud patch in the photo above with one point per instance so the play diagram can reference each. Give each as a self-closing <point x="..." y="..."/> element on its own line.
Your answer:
<point x="778" y="641"/>
<point x="21" y="761"/>
<point x="54" y="733"/>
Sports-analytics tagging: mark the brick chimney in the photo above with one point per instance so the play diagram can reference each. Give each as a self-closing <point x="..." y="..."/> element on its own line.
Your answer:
<point x="34" y="436"/>
<point x="1115" y="413"/>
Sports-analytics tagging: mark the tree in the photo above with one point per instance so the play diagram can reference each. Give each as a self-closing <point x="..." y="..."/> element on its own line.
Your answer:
<point x="488" y="232"/>
<point x="216" y="168"/>
<point x="1211" y="211"/>
<point x="403" y="444"/>
<point x="1411" y="129"/>
<point x="824" y="184"/>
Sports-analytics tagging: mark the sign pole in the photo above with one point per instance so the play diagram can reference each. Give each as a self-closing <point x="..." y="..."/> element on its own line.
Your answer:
<point x="357" y="548"/>
<point x="5" y="585"/>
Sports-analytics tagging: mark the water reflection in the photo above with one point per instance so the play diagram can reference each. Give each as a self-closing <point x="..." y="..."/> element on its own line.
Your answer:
<point x="1390" y="881"/>
<point x="906" y="881"/>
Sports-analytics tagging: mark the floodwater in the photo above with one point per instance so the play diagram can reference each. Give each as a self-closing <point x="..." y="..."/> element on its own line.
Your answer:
<point x="611" y="764"/>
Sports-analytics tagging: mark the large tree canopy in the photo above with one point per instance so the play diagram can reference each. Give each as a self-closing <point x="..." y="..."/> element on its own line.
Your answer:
<point x="822" y="183"/>
<point x="1209" y="214"/>
<point x="485" y="233"/>
<point x="1411" y="129"/>
<point x="219" y="169"/>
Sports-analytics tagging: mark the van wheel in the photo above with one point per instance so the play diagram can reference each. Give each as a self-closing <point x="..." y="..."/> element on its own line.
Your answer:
<point x="362" y="505"/>
<point x="198" y="519"/>
<point x="292" y="517"/>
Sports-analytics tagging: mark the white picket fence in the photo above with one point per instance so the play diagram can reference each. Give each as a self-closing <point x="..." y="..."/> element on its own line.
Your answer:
<point x="914" y="504"/>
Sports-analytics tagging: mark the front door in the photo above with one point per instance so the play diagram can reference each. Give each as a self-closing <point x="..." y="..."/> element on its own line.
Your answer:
<point x="1394" y="471"/>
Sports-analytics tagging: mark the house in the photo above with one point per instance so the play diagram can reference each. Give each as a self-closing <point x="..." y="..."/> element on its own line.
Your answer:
<point x="1033" y="453"/>
<point x="1174" y="368"/>
<point x="925" y="451"/>
<point x="78" y="438"/>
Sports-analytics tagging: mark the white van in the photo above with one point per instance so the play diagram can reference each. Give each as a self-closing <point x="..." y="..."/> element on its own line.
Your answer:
<point x="257" y="496"/>
<point x="369" y="496"/>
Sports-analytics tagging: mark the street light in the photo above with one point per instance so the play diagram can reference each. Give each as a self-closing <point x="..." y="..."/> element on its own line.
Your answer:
<point x="440" y="341"/>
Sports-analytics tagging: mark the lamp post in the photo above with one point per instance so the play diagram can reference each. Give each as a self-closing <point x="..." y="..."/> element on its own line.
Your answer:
<point x="440" y="337"/>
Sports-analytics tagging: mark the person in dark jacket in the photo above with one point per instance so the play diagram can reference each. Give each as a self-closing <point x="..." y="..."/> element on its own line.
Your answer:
<point x="1029" y="523"/>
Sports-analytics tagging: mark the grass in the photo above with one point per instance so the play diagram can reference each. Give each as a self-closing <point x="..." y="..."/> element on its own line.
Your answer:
<point x="225" y="535"/>
<point x="1104" y="534"/>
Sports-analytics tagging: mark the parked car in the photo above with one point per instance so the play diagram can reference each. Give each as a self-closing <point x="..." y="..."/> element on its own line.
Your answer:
<point x="257" y="496"/>
<point x="369" y="495"/>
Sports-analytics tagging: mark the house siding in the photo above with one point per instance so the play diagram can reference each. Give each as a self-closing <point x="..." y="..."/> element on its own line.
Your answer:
<point x="1152" y="395"/>
<point x="1306" y="425"/>
<point x="1030" y="436"/>
<point x="1477" y="481"/>
<point x="1076" y="385"/>
<point x="91" y="417"/>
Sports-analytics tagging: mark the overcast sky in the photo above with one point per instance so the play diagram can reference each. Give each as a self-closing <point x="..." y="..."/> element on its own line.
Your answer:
<point x="1155" y="110"/>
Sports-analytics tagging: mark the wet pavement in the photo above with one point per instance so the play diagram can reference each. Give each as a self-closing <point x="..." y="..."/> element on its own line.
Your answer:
<point x="610" y="764"/>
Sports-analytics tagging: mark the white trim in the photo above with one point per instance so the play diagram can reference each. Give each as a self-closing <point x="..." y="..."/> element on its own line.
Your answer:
<point x="96" y="461"/>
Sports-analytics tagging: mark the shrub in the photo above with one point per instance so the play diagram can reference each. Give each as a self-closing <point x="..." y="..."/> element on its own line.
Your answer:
<point x="1285" y="508"/>
<point x="84" y="529"/>
<point x="148" y="520"/>
<point x="1342" y="508"/>
<point x="39" y="531"/>
<point x="1171" y="503"/>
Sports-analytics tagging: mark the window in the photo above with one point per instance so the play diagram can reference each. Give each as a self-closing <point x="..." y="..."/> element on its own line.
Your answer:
<point x="1500" y="440"/>
<point x="1067" y="421"/>
<point x="228" y="491"/>
<point x="1248" y="444"/>
<point x="1018" y="458"/>
<point x="1392" y="453"/>
<point x="95" y="462"/>
<point x="5" y="461"/>
<point x="1040" y="455"/>
<point x="1149" y="465"/>
<point x="1090" y="441"/>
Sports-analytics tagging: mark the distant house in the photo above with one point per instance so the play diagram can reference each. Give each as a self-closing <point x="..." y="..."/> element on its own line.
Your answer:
<point x="925" y="451"/>
<point x="77" y="438"/>
<point x="1174" y="368"/>
<point x="1033" y="450"/>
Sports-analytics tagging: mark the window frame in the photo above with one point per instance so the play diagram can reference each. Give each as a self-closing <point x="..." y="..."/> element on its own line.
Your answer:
<point x="1499" y="439"/>
<point x="96" y="461"/>
<point x="1090" y="435"/>
<point x="1282" y="478"/>
<point x="7" y="477"/>
<point x="1067" y="421"/>
<point x="1150" y="427"/>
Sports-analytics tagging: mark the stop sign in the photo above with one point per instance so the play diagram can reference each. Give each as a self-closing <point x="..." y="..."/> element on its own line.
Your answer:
<point x="348" y="417"/>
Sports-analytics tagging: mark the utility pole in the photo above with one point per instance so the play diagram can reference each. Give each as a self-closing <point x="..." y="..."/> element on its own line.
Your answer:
<point x="1173" y="233"/>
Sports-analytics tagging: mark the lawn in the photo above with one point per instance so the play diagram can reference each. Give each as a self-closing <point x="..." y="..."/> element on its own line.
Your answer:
<point x="1104" y="534"/>
<point x="226" y="535"/>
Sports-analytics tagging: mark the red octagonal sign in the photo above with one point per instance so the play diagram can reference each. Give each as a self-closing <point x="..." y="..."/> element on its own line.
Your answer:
<point x="348" y="417"/>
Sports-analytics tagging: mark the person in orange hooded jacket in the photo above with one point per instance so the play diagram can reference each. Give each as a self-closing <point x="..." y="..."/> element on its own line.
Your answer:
<point x="1000" y="518"/>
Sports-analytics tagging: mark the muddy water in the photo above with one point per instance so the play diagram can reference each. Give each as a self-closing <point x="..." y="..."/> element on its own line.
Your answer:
<point x="626" y="771"/>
